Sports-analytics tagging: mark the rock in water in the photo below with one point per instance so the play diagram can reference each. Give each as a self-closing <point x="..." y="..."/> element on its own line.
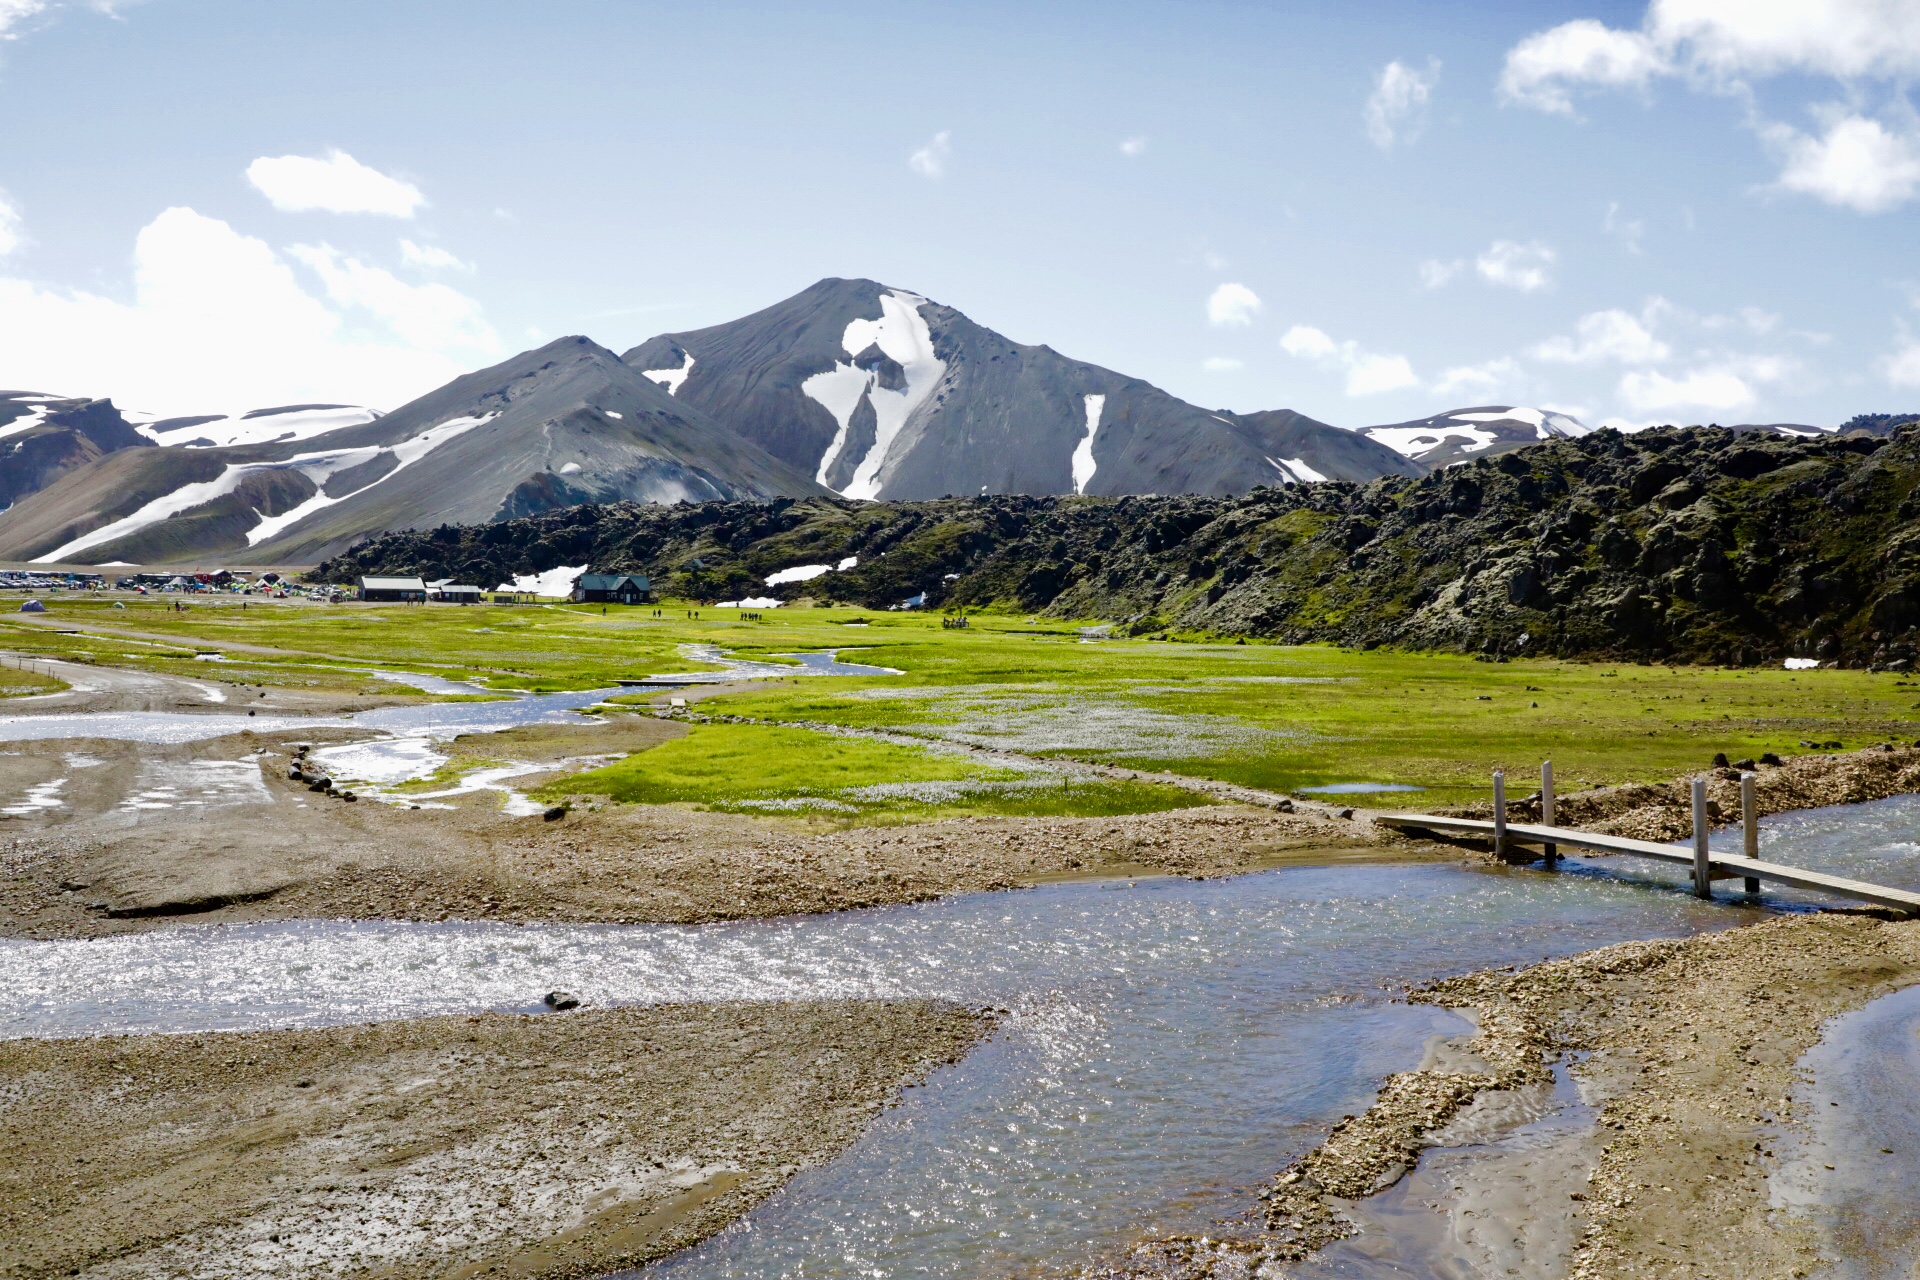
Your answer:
<point x="559" y="1000"/>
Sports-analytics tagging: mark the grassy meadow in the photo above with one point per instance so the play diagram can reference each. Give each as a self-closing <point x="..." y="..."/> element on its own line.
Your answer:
<point x="751" y="768"/>
<point x="1283" y="718"/>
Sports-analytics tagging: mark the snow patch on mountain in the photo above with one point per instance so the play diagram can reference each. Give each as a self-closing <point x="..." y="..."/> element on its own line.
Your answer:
<point x="902" y="335"/>
<point x="554" y="582"/>
<point x="1417" y="442"/>
<point x="798" y="573"/>
<point x="1083" y="463"/>
<point x="408" y="452"/>
<point x="317" y="467"/>
<point x="1545" y="423"/>
<point x="671" y="378"/>
<point x="1296" y="471"/>
<point x="271" y="426"/>
<point x="25" y="422"/>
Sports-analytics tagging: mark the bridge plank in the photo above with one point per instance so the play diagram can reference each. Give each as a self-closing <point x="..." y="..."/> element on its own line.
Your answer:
<point x="1724" y="865"/>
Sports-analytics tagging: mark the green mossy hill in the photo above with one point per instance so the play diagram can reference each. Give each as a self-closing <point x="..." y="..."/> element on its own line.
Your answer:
<point x="1696" y="544"/>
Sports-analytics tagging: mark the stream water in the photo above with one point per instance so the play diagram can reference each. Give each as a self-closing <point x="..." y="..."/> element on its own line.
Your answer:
<point x="1171" y="1042"/>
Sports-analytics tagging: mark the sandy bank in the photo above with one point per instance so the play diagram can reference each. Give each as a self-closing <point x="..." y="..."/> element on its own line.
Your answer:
<point x="555" y="1145"/>
<point x="1689" y="1050"/>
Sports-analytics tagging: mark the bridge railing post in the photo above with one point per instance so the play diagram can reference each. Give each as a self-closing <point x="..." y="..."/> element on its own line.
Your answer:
<point x="1499" y="813"/>
<point x="1550" y="850"/>
<point x="1749" y="827"/>
<point x="1702" y="867"/>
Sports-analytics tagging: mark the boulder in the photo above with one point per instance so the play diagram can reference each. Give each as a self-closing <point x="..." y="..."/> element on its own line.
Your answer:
<point x="561" y="1000"/>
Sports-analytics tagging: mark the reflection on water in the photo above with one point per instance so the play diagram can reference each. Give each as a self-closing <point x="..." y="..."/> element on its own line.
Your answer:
<point x="732" y="668"/>
<point x="1171" y="1042"/>
<point x="1851" y="1172"/>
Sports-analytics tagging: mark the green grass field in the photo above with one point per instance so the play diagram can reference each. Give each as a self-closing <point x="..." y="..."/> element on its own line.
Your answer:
<point x="1269" y="716"/>
<point x="776" y="769"/>
<point x="19" y="682"/>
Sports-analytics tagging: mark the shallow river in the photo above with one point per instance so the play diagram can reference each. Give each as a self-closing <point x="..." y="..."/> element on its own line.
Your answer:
<point x="1171" y="1043"/>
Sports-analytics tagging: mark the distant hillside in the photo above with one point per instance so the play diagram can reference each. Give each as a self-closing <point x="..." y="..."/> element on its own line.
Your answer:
<point x="564" y="424"/>
<point x="1698" y="545"/>
<point x="42" y="438"/>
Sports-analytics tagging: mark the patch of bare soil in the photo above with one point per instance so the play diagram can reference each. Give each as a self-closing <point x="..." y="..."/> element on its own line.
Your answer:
<point x="1690" y="1045"/>
<point x="307" y="855"/>
<point x="557" y="1145"/>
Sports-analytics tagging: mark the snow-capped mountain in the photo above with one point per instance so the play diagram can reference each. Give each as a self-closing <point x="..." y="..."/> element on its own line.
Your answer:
<point x="1460" y="435"/>
<point x="877" y="392"/>
<point x="565" y="424"/>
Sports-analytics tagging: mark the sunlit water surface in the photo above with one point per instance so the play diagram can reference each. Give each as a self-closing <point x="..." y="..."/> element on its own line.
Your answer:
<point x="1170" y="1043"/>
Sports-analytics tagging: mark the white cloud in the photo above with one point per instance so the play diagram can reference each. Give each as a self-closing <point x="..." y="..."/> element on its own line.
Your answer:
<point x="1396" y="110"/>
<point x="1136" y="146"/>
<point x="1842" y="38"/>
<point x="1605" y="335"/>
<point x="1435" y="274"/>
<point x="1368" y="373"/>
<point x="1232" y="304"/>
<point x="1516" y="266"/>
<point x="1308" y="343"/>
<point x="1716" y="42"/>
<point x="1718" y="389"/>
<point x="1624" y="229"/>
<point x="430" y="316"/>
<point x="930" y="161"/>
<point x="1902" y="367"/>
<point x="220" y="323"/>
<point x="1857" y="163"/>
<point x="14" y="12"/>
<point x="430" y="257"/>
<point x="1222" y="364"/>
<point x="1478" y="381"/>
<point x="1540" y="68"/>
<point x="338" y="184"/>
<point x="12" y="230"/>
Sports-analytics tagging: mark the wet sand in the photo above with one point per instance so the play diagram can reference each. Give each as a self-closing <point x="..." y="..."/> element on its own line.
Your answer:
<point x="1686" y="1052"/>
<point x="544" y="1145"/>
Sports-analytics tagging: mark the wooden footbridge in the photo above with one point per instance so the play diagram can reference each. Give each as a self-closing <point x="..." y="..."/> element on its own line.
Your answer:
<point x="1706" y="864"/>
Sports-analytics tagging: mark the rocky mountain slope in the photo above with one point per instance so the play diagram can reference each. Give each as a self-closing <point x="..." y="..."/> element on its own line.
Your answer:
<point x="44" y="437"/>
<point x="876" y="392"/>
<point x="564" y="424"/>
<point x="1702" y="545"/>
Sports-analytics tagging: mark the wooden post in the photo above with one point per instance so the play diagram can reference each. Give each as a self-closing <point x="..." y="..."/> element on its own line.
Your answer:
<point x="1702" y="869"/>
<point x="1499" y="813"/>
<point x="1550" y="850"/>
<point x="1749" y="827"/>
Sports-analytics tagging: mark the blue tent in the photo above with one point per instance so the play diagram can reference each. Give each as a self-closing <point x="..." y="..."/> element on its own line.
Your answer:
<point x="33" y="606"/>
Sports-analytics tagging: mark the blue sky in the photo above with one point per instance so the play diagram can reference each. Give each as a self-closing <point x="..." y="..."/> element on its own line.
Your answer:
<point x="1699" y="211"/>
